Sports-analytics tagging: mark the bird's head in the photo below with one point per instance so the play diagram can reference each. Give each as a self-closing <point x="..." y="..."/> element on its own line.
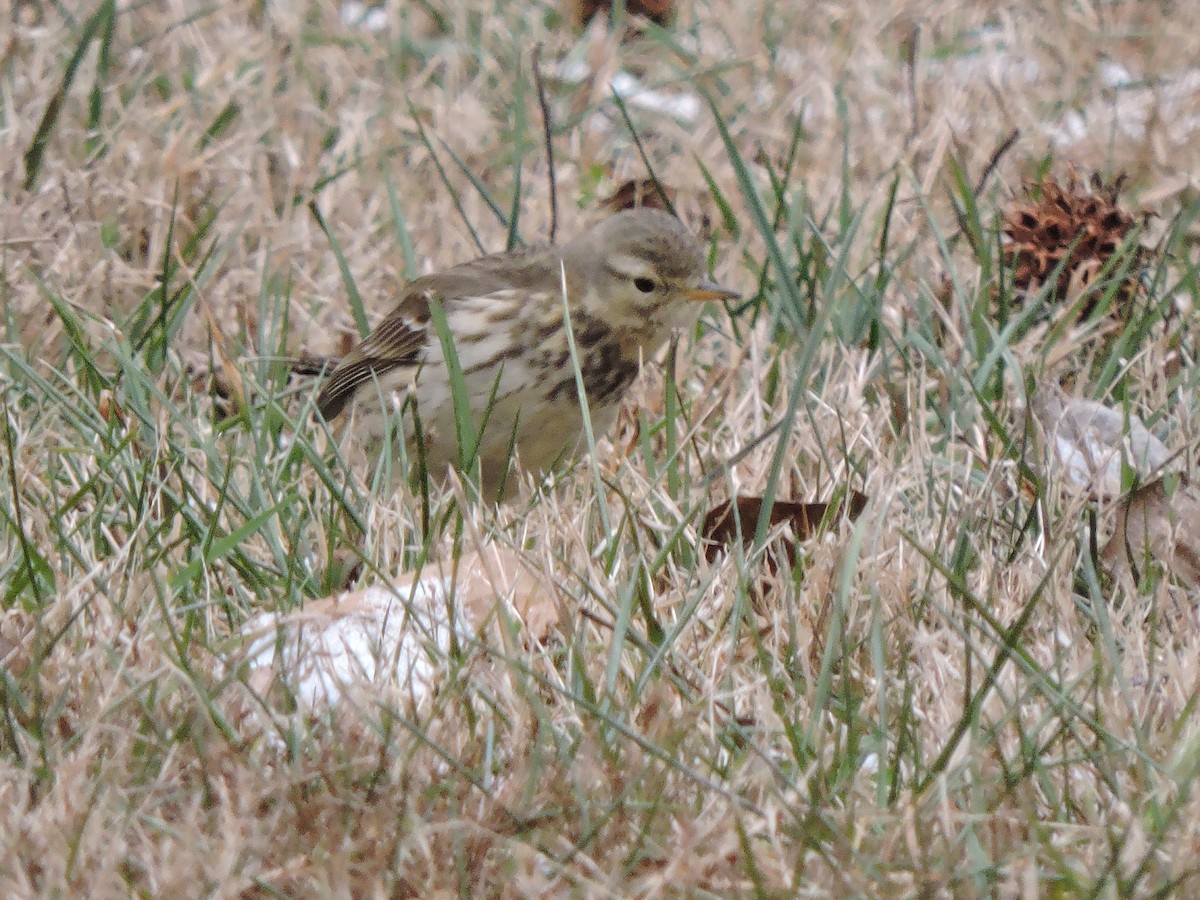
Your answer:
<point x="645" y="270"/>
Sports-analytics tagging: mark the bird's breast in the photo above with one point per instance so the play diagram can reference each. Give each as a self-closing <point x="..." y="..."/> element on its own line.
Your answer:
<point x="608" y="361"/>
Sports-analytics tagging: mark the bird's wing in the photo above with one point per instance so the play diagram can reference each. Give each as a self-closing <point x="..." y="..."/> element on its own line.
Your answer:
<point x="401" y="338"/>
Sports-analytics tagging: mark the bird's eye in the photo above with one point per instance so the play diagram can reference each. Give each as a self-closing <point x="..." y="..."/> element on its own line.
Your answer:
<point x="645" y="285"/>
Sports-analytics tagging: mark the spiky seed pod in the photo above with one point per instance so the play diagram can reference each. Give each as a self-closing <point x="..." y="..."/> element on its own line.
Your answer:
<point x="638" y="193"/>
<point x="1082" y="224"/>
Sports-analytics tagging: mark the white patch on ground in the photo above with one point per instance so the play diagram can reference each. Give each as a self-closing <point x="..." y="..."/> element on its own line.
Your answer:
<point x="393" y="637"/>
<point x="683" y="106"/>
<point x="373" y="637"/>
<point x="1171" y="103"/>
<point x="356" y="14"/>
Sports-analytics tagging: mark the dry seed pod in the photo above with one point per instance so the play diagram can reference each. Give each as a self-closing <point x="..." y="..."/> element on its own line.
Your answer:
<point x="1082" y="224"/>
<point x="637" y="193"/>
<point x="690" y="206"/>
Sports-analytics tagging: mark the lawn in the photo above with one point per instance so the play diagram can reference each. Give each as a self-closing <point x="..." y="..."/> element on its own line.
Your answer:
<point x="955" y="692"/>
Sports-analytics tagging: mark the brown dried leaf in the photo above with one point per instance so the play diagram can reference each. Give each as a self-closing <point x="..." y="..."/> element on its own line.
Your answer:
<point x="230" y="376"/>
<point x="1157" y="523"/>
<point x="214" y="383"/>
<point x="660" y="12"/>
<point x="721" y="524"/>
<point x="110" y="409"/>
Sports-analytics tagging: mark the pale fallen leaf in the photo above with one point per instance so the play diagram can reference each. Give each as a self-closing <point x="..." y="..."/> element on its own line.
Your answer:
<point x="1157" y="523"/>
<point x="1090" y="442"/>
<point x="392" y="634"/>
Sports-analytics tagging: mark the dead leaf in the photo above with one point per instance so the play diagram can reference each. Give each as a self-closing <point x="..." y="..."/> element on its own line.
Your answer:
<point x="1159" y="522"/>
<point x="660" y="12"/>
<point x="230" y="376"/>
<point x="721" y="524"/>
<point x="1091" y="442"/>
<point x="110" y="409"/>
<point x="214" y="383"/>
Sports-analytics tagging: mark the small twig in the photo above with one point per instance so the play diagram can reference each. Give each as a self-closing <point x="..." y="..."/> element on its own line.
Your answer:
<point x="547" y="136"/>
<point x="909" y="47"/>
<point x="963" y="228"/>
<point x="1005" y="146"/>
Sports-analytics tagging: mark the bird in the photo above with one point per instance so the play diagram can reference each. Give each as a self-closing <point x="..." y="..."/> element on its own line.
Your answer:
<point x="629" y="282"/>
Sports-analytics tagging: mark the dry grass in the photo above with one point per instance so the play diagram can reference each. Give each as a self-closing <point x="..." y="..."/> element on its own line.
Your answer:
<point x="945" y="698"/>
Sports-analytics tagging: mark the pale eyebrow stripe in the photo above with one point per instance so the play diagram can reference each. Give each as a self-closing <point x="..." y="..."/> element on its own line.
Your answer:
<point x="628" y="265"/>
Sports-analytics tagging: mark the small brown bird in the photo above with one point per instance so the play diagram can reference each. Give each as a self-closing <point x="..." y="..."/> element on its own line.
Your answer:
<point x="628" y="281"/>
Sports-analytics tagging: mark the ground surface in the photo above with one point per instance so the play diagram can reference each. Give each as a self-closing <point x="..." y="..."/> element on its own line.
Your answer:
<point x="945" y="698"/>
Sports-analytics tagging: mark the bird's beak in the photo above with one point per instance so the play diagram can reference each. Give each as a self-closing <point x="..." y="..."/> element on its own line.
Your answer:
<point x="707" y="290"/>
